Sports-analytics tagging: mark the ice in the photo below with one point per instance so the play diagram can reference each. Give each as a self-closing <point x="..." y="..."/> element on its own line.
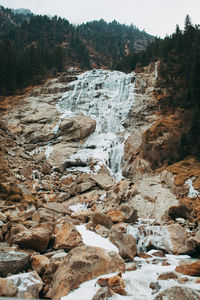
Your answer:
<point x="149" y="235"/>
<point x="93" y="239"/>
<point x="192" y="191"/>
<point x="107" y="97"/>
<point x="77" y="207"/>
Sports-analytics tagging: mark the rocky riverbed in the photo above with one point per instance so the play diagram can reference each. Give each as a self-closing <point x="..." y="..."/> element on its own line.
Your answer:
<point x="83" y="212"/>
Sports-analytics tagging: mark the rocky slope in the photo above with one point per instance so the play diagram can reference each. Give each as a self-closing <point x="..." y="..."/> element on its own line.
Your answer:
<point x="81" y="196"/>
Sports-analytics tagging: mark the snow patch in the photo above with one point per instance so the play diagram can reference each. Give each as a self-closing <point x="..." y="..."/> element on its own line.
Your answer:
<point x="95" y="240"/>
<point x="192" y="191"/>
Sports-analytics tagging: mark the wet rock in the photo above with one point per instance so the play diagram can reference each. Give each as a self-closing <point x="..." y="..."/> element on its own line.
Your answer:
<point x="77" y="127"/>
<point x="83" y="264"/>
<point x="192" y="269"/>
<point x="67" y="237"/>
<point x="155" y="286"/>
<point x="117" y="216"/>
<point x="126" y="244"/>
<point x="36" y="238"/>
<point x="39" y="263"/>
<point x="167" y="275"/>
<point x="103" y="293"/>
<point x="13" y="262"/>
<point x="116" y="283"/>
<point x="178" y="292"/>
<point x="29" y="285"/>
<point x="7" y="288"/>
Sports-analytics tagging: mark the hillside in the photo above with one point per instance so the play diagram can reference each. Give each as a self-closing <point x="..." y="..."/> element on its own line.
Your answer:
<point x="31" y="46"/>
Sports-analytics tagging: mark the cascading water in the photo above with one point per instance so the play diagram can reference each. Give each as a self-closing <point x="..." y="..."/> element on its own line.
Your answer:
<point x="107" y="97"/>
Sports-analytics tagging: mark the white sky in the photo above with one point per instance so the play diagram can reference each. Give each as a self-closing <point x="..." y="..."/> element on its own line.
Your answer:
<point x="157" y="17"/>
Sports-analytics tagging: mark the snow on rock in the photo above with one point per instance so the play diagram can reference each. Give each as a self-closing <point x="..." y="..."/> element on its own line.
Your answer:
<point x="29" y="284"/>
<point x="93" y="239"/>
<point x="105" y="96"/>
<point x="78" y="206"/>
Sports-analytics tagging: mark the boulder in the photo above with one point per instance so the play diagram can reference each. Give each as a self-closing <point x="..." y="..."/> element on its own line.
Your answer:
<point x="83" y="264"/>
<point x="126" y="244"/>
<point x="191" y="269"/>
<point x="77" y="127"/>
<point x="117" y="216"/>
<point x="67" y="237"/>
<point x="197" y="238"/>
<point x="101" y="219"/>
<point x="29" y="285"/>
<point x="13" y="262"/>
<point x="103" y="179"/>
<point x="7" y="288"/>
<point x="130" y="212"/>
<point x="177" y="292"/>
<point x="116" y="283"/>
<point x="167" y="275"/>
<point x="39" y="263"/>
<point x="36" y="238"/>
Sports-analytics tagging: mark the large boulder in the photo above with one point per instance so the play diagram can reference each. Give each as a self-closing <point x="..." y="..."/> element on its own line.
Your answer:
<point x="13" y="262"/>
<point x="29" y="285"/>
<point x="36" y="238"/>
<point x="7" y="287"/>
<point x="126" y="244"/>
<point x="83" y="264"/>
<point x="77" y="127"/>
<point x="67" y="237"/>
<point x="191" y="269"/>
<point x="177" y="292"/>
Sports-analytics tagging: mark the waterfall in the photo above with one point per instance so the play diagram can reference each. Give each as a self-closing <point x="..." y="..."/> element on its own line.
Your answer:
<point x="107" y="97"/>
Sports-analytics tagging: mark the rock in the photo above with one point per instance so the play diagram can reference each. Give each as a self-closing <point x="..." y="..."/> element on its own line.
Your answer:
<point x="130" y="212"/>
<point x="155" y="286"/>
<point x="36" y="238"/>
<point x="29" y="285"/>
<point x="85" y="186"/>
<point x="43" y="215"/>
<point x="197" y="238"/>
<point x="67" y="237"/>
<point x="77" y="127"/>
<point x="103" y="179"/>
<point x="179" y="239"/>
<point x="116" y="283"/>
<point x="131" y="266"/>
<point x="144" y="255"/>
<point x="61" y="208"/>
<point x="39" y="263"/>
<point x="126" y="244"/>
<point x="167" y="275"/>
<point x="83" y="215"/>
<point x="103" y="293"/>
<point x="7" y="288"/>
<point x="101" y="230"/>
<point x="117" y="216"/>
<point x="83" y="264"/>
<point x="13" y="262"/>
<point x="192" y="269"/>
<point x="178" y="292"/>
<point x="158" y="253"/>
<point x="102" y="219"/>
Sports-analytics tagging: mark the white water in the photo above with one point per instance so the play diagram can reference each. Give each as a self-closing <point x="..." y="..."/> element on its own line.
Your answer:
<point x="107" y="97"/>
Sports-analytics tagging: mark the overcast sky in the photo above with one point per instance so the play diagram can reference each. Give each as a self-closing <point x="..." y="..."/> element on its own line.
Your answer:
<point x="157" y="17"/>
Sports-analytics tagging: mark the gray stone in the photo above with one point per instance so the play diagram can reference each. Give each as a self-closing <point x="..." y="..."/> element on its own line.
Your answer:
<point x="13" y="262"/>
